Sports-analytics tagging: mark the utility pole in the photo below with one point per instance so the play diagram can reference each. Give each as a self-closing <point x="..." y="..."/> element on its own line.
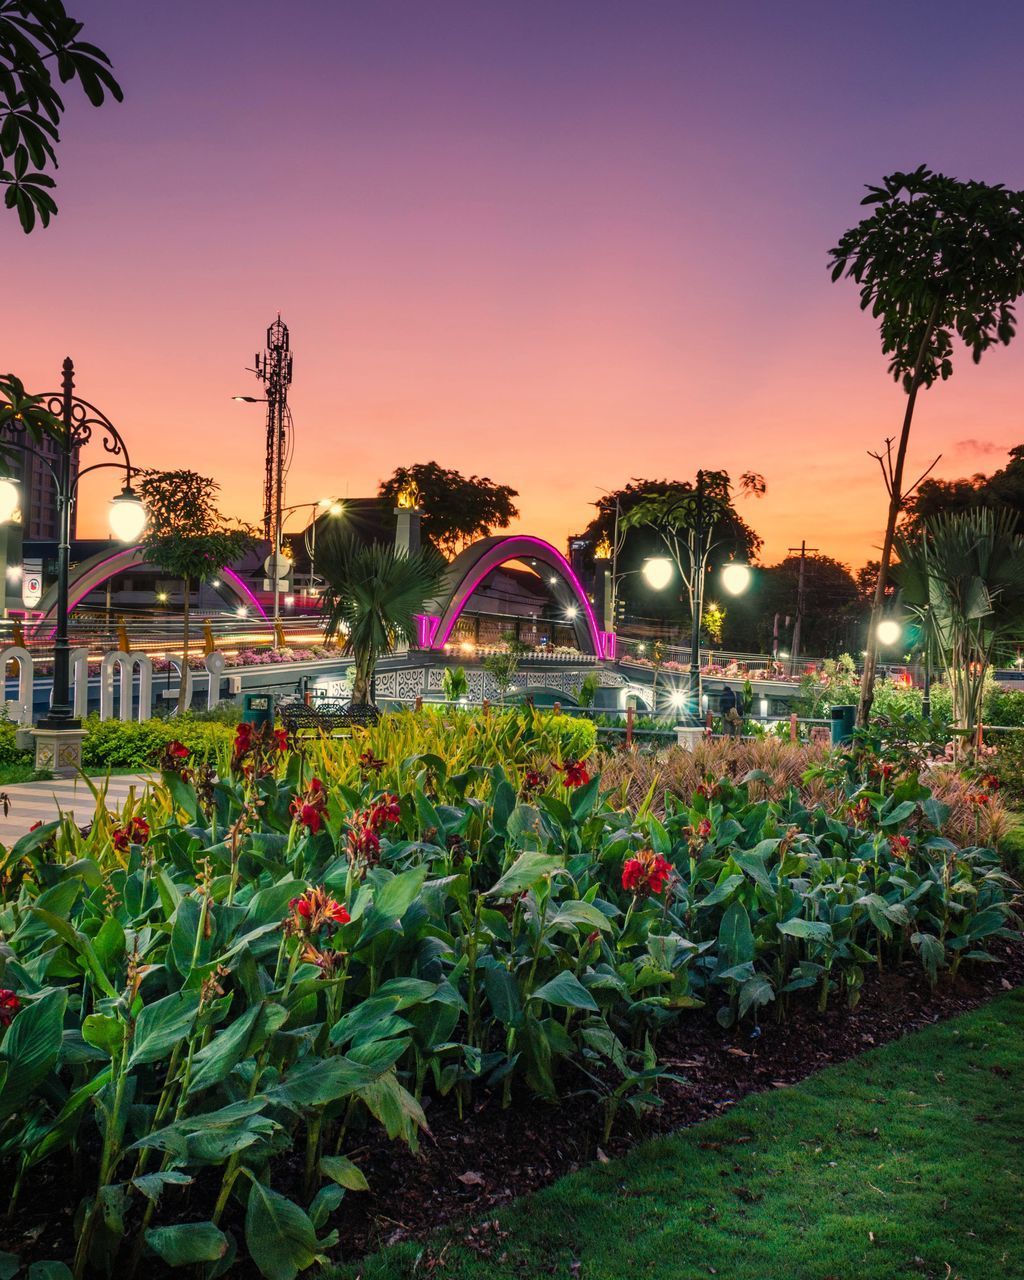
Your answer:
<point x="794" y="652"/>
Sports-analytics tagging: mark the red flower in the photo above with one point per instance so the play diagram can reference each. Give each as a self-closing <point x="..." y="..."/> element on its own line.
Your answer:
<point x="978" y="797"/>
<point x="368" y="762"/>
<point x="316" y="910"/>
<point x="900" y="846"/>
<point x="646" y="872"/>
<point x="136" y="831"/>
<point x="862" y="810"/>
<point x="990" y="781"/>
<point x="708" y="790"/>
<point x="281" y="739"/>
<point x="9" y="1006"/>
<point x="36" y="825"/>
<point x="704" y="829"/>
<point x="308" y="809"/>
<point x="574" y="773"/>
<point x="385" y="811"/>
<point x="177" y="750"/>
<point x="534" y="780"/>
<point x="363" y="844"/>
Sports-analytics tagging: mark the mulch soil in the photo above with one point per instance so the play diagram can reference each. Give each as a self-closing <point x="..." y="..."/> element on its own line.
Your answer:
<point x="469" y="1166"/>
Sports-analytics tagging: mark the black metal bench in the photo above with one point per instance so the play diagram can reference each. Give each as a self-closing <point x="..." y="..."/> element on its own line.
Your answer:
<point x="325" y="716"/>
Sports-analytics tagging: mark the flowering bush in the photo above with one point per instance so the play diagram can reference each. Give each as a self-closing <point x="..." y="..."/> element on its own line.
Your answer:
<point x="214" y="1024"/>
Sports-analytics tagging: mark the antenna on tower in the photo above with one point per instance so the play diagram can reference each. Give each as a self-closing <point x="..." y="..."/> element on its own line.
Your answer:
<point x="274" y="369"/>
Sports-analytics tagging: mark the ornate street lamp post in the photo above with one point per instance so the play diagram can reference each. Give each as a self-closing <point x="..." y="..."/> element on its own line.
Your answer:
<point x="58" y="734"/>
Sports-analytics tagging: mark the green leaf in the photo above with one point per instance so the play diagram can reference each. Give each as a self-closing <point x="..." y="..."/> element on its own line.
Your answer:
<point x="344" y="1172"/>
<point x="527" y="869"/>
<point x="31" y="1045"/>
<point x="503" y="994"/>
<point x="152" y="1184"/>
<point x="49" y="1271"/>
<point x="566" y="990"/>
<point x="817" y="930"/>
<point x="244" y="1037"/>
<point x="314" y="1082"/>
<point x="161" y="1025"/>
<point x="188" y="1243"/>
<point x="281" y="1238"/>
<point x="10" y="1265"/>
<point x="104" y="1031"/>
<point x="735" y="937"/>
<point x="394" y="898"/>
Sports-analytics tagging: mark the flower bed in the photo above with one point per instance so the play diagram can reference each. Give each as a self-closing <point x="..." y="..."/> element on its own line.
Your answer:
<point x="221" y="1003"/>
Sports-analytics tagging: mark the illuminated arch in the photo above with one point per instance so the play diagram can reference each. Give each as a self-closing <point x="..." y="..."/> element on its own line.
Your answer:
<point x="468" y="570"/>
<point x="98" y="569"/>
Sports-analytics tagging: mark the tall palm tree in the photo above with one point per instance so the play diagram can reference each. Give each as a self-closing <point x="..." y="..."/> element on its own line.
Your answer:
<point x="963" y="577"/>
<point x="373" y="594"/>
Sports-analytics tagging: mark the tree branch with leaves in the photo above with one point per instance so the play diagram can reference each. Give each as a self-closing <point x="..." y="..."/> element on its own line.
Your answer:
<point x="188" y="538"/>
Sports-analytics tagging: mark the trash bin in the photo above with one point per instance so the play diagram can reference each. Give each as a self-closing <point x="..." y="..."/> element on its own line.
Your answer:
<point x="258" y="709"/>
<point x="844" y="718"/>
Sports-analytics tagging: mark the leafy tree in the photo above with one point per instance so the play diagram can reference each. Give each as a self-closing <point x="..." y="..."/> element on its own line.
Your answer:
<point x="39" y="49"/>
<point x="937" y="258"/>
<point x="963" y="578"/>
<point x="672" y="513"/>
<point x="457" y="509"/>
<point x="373" y="594"/>
<point x="187" y="537"/>
<point x="1004" y="487"/>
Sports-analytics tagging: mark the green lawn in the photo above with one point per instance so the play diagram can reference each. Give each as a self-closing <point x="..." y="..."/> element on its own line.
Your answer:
<point x="908" y="1162"/>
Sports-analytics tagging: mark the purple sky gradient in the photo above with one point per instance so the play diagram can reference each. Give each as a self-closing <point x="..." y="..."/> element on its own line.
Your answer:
<point x="560" y="243"/>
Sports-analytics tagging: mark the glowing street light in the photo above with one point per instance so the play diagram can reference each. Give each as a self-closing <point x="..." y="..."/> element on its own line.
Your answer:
<point x="888" y="632"/>
<point x="736" y="578"/>
<point x="658" y="571"/>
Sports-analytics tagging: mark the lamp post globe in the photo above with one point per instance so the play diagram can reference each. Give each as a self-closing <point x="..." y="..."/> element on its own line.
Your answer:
<point x="127" y="515"/>
<point x="736" y="578"/>
<point x="10" y="498"/>
<point x="888" y="631"/>
<point x="658" y="571"/>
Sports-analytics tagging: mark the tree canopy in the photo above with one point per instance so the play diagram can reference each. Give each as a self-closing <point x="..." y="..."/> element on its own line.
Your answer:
<point x="1004" y="488"/>
<point x="457" y="509"/>
<point x="936" y="258"/>
<point x="40" y="48"/>
<point x="187" y="536"/>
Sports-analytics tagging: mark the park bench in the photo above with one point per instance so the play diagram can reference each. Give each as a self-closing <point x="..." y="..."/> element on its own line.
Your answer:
<point x="325" y="716"/>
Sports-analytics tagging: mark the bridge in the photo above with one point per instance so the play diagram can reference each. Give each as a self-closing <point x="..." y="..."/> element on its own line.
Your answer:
<point x="549" y="673"/>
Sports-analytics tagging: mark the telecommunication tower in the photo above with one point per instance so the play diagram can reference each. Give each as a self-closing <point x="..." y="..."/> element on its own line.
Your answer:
<point x="274" y="369"/>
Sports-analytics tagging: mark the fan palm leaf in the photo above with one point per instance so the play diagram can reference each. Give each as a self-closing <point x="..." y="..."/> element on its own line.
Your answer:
<point x="373" y="594"/>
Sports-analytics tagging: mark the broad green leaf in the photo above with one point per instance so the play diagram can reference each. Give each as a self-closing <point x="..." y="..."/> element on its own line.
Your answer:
<point x="817" y="930"/>
<point x="31" y="1045"/>
<point x="344" y="1172"/>
<point x="234" y="1043"/>
<point x="188" y="1243"/>
<point x="161" y="1025"/>
<point x="394" y="898"/>
<point x="527" y="869"/>
<point x="566" y="990"/>
<point x="282" y="1240"/>
<point x="735" y="937"/>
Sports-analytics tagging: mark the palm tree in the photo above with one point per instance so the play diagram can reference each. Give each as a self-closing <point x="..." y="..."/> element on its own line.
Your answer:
<point x="373" y="594"/>
<point x="963" y="577"/>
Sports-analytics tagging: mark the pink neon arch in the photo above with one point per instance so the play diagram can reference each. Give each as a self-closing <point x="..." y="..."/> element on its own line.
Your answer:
<point x="470" y="568"/>
<point x="94" y="574"/>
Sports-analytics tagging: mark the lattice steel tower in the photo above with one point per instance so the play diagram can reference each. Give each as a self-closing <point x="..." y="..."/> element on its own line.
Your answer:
<point x="274" y="369"/>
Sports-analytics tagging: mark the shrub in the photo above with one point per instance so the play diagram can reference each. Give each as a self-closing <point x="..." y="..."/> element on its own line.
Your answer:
<point x="135" y="744"/>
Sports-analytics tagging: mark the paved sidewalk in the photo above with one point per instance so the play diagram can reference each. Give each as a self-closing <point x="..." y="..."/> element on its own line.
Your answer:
<point x="33" y="802"/>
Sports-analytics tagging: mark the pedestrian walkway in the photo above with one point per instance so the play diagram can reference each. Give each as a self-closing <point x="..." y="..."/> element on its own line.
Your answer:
<point x="32" y="802"/>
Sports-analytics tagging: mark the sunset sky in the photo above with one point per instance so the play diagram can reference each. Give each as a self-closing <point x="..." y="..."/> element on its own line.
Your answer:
<point x="561" y="243"/>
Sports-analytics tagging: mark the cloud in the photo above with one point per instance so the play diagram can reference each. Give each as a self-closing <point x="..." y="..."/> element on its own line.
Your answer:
<point x="983" y="448"/>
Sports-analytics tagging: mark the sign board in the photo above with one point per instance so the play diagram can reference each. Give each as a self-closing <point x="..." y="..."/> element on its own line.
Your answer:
<point x="31" y="583"/>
